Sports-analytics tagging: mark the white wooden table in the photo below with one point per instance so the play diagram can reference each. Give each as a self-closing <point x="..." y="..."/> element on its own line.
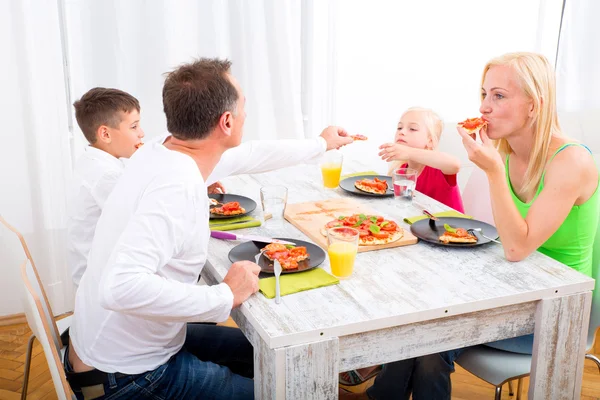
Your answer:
<point x="406" y="302"/>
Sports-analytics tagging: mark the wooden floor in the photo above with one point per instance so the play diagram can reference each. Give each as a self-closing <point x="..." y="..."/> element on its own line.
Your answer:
<point x="13" y="345"/>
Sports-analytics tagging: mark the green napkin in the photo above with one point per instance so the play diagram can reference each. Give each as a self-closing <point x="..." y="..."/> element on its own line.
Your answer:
<point x="294" y="283"/>
<point x="449" y="213"/>
<point x="359" y="174"/>
<point x="230" y="224"/>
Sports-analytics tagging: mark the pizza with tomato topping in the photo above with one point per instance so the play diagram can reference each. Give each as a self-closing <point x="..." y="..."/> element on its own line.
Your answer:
<point x="359" y="137"/>
<point x="231" y="208"/>
<point x="473" y="126"/>
<point x="457" y="235"/>
<point x="288" y="255"/>
<point x="372" y="229"/>
<point x="375" y="185"/>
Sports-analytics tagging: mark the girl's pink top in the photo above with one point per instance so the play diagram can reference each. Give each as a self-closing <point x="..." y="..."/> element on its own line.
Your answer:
<point x="443" y="188"/>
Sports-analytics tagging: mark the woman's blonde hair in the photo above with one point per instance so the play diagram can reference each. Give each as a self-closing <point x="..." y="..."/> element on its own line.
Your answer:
<point x="537" y="79"/>
<point x="433" y="124"/>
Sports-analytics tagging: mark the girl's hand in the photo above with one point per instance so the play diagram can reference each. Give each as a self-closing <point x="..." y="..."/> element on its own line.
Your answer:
<point x="395" y="152"/>
<point x="484" y="155"/>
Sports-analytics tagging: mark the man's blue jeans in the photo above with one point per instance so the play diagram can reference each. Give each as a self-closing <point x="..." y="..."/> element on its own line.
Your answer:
<point x="215" y="363"/>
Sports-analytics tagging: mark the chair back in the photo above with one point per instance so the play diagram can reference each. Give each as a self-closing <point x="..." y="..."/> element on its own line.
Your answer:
<point x="595" y="314"/>
<point x="476" y="197"/>
<point x="43" y="298"/>
<point x="40" y="324"/>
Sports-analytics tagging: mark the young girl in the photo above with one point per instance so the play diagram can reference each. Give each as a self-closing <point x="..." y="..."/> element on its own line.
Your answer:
<point x="414" y="146"/>
<point x="416" y="139"/>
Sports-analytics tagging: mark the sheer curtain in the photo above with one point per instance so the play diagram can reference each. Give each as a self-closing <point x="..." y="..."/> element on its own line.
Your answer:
<point x="35" y="161"/>
<point x="578" y="73"/>
<point x="131" y="44"/>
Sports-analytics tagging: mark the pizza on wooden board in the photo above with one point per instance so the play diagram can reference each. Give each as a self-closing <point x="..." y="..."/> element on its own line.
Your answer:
<point x="373" y="229"/>
<point x="231" y="208"/>
<point x="473" y="126"/>
<point x="375" y="185"/>
<point x="288" y="255"/>
<point x="457" y="235"/>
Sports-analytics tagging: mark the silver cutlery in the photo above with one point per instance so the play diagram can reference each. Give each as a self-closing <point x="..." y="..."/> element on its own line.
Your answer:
<point x="480" y="231"/>
<point x="277" y="270"/>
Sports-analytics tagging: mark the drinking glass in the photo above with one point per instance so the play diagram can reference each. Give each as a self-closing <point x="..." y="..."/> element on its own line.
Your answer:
<point x="273" y="200"/>
<point x="342" y="249"/>
<point x="331" y="168"/>
<point x="405" y="181"/>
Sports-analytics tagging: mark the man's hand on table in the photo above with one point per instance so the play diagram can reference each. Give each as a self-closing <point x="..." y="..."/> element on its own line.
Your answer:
<point x="242" y="279"/>
<point x="336" y="137"/>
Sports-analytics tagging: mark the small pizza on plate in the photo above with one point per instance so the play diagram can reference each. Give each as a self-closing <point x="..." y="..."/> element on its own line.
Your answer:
<point x="457" y="235"/>
<point x="473" y="126"/>
<point x="288" y="255"/>
<point x="231" y="208"/>
<point x="375" y="185"/>
<point x="372" y="229"/>
<point x="359" y="137"/>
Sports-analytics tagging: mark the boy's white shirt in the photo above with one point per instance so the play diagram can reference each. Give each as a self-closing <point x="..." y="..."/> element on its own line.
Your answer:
<point x="150" y="245"/>
<point x="97" y="173"/>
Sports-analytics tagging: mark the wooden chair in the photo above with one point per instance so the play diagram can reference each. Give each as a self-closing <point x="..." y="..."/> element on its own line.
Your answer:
<point x="58" y="327"/>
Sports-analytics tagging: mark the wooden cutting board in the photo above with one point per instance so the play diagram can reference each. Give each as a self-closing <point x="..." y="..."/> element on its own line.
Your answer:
<point x="311" y="217"/>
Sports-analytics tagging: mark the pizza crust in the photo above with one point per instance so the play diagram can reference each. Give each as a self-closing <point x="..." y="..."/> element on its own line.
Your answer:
<point x="367" y="189"/>
<point x="239" y="211"/>
<point x="373" y="241"/>
<point x="454" y="239"/>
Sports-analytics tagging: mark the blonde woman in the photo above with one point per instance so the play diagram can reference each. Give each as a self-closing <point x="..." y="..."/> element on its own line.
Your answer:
<point x="544" y="195"/>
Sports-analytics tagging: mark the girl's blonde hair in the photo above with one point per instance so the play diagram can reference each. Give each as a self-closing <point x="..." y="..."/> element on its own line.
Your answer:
<point x="537" y="79"/>
<point x="433" y="124"/>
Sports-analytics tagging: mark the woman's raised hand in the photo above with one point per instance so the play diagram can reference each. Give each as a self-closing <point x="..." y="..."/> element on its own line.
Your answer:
<point x="484" y="154"/>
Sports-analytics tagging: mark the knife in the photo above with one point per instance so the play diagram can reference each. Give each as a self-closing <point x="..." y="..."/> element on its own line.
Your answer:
<point x="277" y="270"/>
<point x="247" y="238"/>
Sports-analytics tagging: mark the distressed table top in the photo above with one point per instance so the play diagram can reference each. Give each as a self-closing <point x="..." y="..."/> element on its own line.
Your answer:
<point x="389" y="287"/>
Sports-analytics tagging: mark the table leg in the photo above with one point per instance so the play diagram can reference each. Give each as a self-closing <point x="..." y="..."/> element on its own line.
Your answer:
<point x="560" y="335"/>
<point x="308" y="371"/>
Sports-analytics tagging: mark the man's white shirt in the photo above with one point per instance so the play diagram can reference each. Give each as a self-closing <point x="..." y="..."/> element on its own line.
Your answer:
<point x="150" y="245"/>
<point x="96" y="174"/>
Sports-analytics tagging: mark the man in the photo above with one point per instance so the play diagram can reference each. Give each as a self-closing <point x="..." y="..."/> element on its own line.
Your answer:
<point x="128" y="337"/>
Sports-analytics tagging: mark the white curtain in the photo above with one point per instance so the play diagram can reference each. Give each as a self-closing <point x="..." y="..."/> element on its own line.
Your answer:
<point x="35" y="160"/>
<point x="131" y="44"/>
<point x="578" y="72"/>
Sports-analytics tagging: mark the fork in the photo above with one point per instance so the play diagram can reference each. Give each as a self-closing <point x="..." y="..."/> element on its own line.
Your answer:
<point x="480" y="231"/>
<point x="277" y="270"/>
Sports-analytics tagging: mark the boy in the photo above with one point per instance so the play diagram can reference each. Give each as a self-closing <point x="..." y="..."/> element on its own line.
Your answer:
<point x="110" y="121"/>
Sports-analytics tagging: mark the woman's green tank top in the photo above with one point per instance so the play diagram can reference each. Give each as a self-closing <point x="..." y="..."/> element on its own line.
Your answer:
<point x="573" y="242"/>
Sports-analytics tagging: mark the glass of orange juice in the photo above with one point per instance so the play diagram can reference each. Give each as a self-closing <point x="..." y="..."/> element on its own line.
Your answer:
<point x="331" y="168"/>
<point x="342" y="249"/>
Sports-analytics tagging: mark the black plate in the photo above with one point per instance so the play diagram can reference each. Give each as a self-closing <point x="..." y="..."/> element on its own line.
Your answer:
<point x="348" y="185"/>
<point x="249" y="250"/>
<point x="424" y="231"/>
<point x="248" y="204"/>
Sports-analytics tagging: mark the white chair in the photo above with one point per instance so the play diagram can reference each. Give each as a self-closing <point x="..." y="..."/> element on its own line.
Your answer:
<point x="41" y="323"/>
<point x="498" y="367"/>
<point x="58" y="327"/>
<point x="476" y="197"/>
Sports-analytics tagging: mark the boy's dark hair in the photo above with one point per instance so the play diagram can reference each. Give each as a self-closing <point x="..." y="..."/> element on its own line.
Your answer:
<point x="195" y="96"/>
<point x="101" y="106"/>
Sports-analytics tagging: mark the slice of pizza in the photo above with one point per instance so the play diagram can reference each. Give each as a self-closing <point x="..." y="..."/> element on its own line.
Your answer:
<point x="375" y="185"/>
<point x="359" y="137"/>
<point x="289" y="256"/>
<point x="473" y="126"/>
<point x="137" y="146"/>
<point x="457" y="235"/>
<point x="231" y="208"/>
<point x="372" y="229"/>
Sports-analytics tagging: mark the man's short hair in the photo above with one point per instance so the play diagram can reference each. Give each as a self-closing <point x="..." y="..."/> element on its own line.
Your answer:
<point x="195" y="96"/>
<point x="101" y="106"/>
